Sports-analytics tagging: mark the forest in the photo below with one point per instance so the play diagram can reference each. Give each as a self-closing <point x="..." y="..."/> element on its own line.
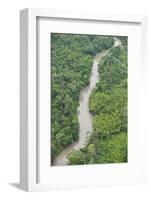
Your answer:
<point x="71" y="63"/>
<point x="108" y="104"/>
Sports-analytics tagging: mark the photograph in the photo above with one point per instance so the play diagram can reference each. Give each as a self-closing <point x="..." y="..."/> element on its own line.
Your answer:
<point x="89" y="99"/>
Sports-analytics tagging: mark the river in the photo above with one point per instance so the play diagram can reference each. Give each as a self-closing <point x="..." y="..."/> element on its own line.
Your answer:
<point x="84" y="116"/>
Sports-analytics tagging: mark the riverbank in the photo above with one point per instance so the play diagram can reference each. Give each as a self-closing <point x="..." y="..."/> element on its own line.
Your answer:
<point x="84" y="116"/>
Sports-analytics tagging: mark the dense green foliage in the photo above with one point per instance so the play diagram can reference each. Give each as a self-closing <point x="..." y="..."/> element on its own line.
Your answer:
<point x="98" y="150"/>
<point x="108" y="104"/>
<point x="71" y="62"/>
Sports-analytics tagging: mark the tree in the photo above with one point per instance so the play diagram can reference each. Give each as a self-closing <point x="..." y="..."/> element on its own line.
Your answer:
<point x="107" y="124"/>
<point x="71" y="62"/>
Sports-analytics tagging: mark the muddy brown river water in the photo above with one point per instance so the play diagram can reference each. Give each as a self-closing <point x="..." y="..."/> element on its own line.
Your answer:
<point x="84" y="116"/>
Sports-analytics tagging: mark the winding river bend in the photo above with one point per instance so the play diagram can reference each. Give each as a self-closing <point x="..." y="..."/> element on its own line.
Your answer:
<point x="84" y="116"/>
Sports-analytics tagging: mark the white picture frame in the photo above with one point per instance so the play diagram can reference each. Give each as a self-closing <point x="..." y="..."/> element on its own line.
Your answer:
<point x="29" y="114"/>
